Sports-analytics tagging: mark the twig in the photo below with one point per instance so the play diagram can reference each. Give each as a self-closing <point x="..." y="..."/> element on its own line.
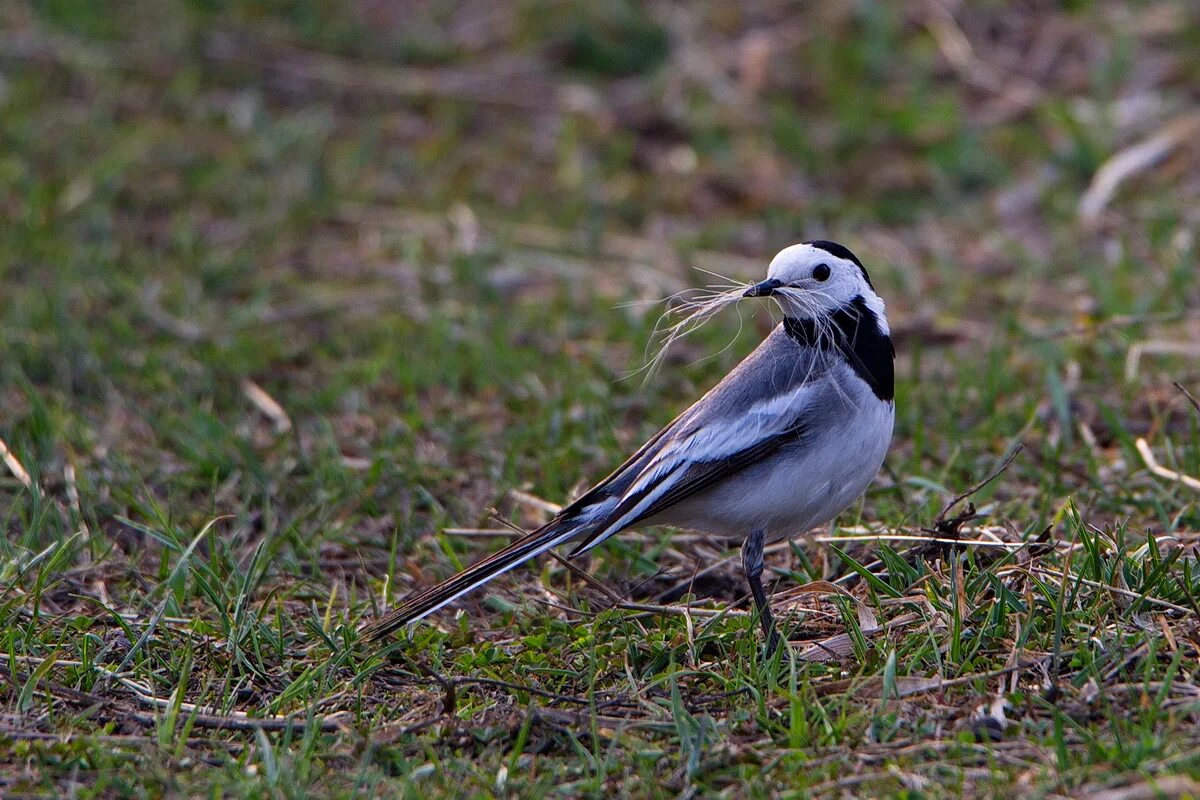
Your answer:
<point x="267" y="405"/>
<point x="481" y="533"/>
<point x="507" y="83"/>
<point x="35" y="46"/>
<point x="1156" y="347"/>
<point x="14" y="466"/>
<point x="941" y="518"/>
<point x="238" y="720"/>
<point x="1132" y="160"/>
<point x="17" y="734"/>
<point x="948" y="528"/>
<point x="1150" y="788"/>
<point x="516" y="530"/>
<point x="1143" y="448"/>
<point x="73" y="498"/>
<point x="151" y="306"/>
<point x="716" y="565"/>
<point x="449" y="693"/>
<point x="1059" y="575"/>
<point x="899" y="537"/>
<point x="588" y="579"/>
<point x="525" y="498"/>
<point x="913" y="686"/>
<point x="1195" y="403"/>
<point x="516" y="687"/>
<point x="841" y="645"/>
<point x="651" y="608"/>
<point x="1096" y="327"/>
<point x="22" y="475"/>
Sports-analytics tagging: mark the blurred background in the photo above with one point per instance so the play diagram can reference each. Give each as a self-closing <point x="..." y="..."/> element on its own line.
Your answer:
<point x="288" y="287"/>
<point x="367" y="208"/>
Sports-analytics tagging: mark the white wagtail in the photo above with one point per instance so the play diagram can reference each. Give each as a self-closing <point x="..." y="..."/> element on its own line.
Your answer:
<point x="782" y="444"/>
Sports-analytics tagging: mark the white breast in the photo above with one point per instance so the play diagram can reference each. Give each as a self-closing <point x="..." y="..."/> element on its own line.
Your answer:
<point x="804" y="485"/>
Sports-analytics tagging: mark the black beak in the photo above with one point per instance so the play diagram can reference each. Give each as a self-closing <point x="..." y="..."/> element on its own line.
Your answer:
<point x="764" y="289"/>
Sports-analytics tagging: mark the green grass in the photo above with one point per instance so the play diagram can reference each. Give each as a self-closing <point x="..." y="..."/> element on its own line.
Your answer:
<point x="436" y="240"/>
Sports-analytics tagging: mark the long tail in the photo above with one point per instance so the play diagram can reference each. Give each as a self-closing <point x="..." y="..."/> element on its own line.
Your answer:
<point x="419" y="605"/>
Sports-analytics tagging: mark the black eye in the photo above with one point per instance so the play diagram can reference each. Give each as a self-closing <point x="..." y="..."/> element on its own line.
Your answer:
<point x="821" y="272"/>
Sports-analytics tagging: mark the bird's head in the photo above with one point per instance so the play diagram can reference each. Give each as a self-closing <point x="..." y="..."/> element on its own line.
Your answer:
<point x="816" y="279"/>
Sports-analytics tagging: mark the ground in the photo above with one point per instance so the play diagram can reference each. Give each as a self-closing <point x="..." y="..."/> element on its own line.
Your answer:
<point x="301" y="301"/>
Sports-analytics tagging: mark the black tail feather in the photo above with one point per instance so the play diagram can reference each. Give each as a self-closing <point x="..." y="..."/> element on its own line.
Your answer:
<point x="419" y="605"/>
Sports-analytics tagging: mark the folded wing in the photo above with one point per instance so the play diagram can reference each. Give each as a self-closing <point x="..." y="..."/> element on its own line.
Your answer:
<point x="767" y="402"/>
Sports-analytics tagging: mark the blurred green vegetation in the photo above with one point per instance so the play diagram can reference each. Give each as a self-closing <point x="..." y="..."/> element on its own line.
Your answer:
<point x="436" y="238"/>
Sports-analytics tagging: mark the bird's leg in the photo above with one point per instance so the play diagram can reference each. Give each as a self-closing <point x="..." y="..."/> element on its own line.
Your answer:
<point x="752" y="565"/>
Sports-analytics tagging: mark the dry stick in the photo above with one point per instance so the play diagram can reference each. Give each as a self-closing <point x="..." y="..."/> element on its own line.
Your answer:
<point x="621" y="602"/>
<point x="716" y="565"/>
<point x="73" y="498"/>
<point x="481" y="533"/>
<point x="848" y="781"/>
<point x="1154" y="601"/>
<point x="516" y="687"/>
<point x="241" y="721"/>
<point x="357" y="77"/>
<point x="617" y="600"/>
<point x="450" y="695"/>
<point x="15" y="467"/>
<point x="450" y="685"/>
<point x="238" y="720"/>
<point x="42" y="736"/>
<point x="575" y="570"/>
<point x="1152" y="787"/>
<point x="948" y="528"/>
<point x="1113" y="322"/>
<point x="528" y="499"/>
<point x="1132" y="160"/>
<point x="898" y="537"/>
<point x="650" y="608"/>
<point x="184" y="329"/>
<point x="607" y="726"/>
<point x="839" y="645"/>
<point x="941" y="518"/>
<point x="588" y="579"/>
<point x="268" y="405"/>
<point x="22" y="475"/>
<point x="1116" y="669"/>
<point x="1195" y="403"/>
<point x="1156" y="347"/>
<point x="564" y="608"/>
<point x="1143" y="448"/>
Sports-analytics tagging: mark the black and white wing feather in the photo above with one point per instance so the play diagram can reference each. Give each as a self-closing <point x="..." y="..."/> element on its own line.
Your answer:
<point x="768" y="401"/>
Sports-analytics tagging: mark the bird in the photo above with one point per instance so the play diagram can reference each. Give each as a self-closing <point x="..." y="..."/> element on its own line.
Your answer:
<point x="786" y="441"/>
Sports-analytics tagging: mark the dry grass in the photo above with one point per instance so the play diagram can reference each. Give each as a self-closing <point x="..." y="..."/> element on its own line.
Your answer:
<point x="295" y="296"/>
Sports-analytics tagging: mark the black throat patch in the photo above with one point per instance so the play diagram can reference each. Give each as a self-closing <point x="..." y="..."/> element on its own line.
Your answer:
<point x="856" y="336"/>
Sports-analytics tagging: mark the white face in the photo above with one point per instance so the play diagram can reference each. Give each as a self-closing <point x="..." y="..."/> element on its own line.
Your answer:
<point x="812" y="282"/>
